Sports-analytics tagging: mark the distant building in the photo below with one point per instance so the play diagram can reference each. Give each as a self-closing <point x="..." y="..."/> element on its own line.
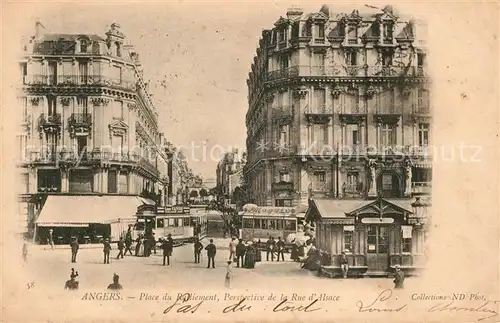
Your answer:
<point x="230" y="172"/>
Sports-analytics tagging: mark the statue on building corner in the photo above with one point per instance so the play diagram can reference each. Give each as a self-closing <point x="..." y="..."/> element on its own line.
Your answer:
<point x="408" y="164"/>
<point x="372" y="164"/>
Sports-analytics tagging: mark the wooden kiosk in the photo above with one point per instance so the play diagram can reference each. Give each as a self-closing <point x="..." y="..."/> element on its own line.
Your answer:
<point x="376" y="235"/>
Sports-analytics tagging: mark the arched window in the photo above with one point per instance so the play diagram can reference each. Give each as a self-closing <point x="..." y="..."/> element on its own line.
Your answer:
<point x="83" y="46"/>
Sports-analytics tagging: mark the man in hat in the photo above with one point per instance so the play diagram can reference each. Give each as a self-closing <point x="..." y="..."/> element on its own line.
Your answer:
<point x="128" y="241"/>
<point x="280" y="247"/>
<point x="240" y="253"/>
<point x="198" y="247"/>
<point x="344" y="264"/>
<point x="211" y="251"/>
<point x="121" y="246"/>
<point x="106" y="249"/>
<point x="115" y="284"/>
<point x="51" y="239"/>
<point x="74" y="248"/>
<point x="168" y="247"/>
<point x="399" y="278"/>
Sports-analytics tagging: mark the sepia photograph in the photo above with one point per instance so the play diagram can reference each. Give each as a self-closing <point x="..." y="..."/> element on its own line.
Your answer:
<point x="250" y="161"/>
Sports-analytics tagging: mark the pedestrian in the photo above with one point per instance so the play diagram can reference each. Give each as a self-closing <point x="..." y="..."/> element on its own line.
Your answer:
<point x="198" y="247"/>
<point x="121" y="246"/>
<point x="74" y="248"/>
<point x="211" y="252"/>
<point x="270" y="248"/>
<point x="399" y="278"/>
<point x="258" y="255"/>
<point x="229" y="275"/>
<point x="106" y="249"/>
<point x="25" y="250"/>
<point x="153" y="242"/>
<point x="115" y="284"/>
<point x="72" y="284"/>
<point x="240" y="253"/>
<point x="128" y="241"/>
<point x="280" y="247"/>
<point x="138" y="245"/>
<point x="51" y="239"/>
<point x="167" y="246"/>
<point x="250" y="255"/>
<point x="344" y="264"/>
<point x="232" y="249"/>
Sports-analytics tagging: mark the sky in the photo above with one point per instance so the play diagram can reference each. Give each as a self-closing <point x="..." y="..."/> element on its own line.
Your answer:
<point x="197" y="56"/>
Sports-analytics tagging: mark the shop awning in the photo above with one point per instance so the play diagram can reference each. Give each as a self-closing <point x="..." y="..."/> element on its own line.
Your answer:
<point x="80" y="211"/>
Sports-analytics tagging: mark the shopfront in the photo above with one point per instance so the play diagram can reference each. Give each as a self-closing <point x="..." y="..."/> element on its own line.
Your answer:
<point x="376" y="235"/>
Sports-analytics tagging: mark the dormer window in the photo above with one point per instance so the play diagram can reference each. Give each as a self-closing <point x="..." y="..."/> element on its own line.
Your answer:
<point x="320" y="31"/>
<point x="352" y="33"/>
<point x="83" y="46"/>
<point x="283" y="36"/>
<point x="387" y="31"/>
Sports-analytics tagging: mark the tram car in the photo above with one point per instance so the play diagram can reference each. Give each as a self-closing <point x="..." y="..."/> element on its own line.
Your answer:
<point x="174" y="220"/>
<point x="199" y="220"/>
<point x="261" y="223"/>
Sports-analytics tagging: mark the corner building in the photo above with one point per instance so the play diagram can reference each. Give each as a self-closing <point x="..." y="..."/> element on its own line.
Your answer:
<point x="339" y="113"/>
<point x="89" y="135"/>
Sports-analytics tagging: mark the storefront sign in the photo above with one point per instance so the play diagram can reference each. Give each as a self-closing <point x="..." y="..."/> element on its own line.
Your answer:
<point x="176" y="210"/>
<point x="271" y="210"/>
<point x="377" y="220"/>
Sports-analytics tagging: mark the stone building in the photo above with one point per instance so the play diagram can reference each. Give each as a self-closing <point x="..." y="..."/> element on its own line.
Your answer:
<point x="229" y="172"/>
<point x="331" y="94"/>
<point x="339" y="119"/>
<point x="89" y="127"/>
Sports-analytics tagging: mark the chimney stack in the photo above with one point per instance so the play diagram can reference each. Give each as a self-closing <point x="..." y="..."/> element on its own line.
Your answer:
<point x="39" y="30"/>
<point x="293" y="13"/>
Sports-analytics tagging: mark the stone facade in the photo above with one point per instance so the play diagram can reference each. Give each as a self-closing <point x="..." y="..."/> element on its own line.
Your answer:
<point x="339" y="108"/>
<point x="89" y="125"/>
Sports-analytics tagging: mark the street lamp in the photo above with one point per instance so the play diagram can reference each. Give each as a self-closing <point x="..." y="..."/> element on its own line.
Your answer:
<point x="419" y="210"/>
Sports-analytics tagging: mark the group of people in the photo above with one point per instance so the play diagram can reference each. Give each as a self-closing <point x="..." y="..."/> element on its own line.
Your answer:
<point x="245" y="254"/>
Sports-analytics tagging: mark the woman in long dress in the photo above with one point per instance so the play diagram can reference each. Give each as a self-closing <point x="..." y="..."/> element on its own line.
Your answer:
<point x="250" y="257"/>
<point x="141" y="248"/>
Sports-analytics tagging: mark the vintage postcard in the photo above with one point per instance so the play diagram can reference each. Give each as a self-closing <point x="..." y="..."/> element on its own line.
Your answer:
<point x="250" y="161"/>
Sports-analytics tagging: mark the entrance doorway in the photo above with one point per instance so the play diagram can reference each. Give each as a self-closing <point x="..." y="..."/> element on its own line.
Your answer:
<point x="377" y="257"/>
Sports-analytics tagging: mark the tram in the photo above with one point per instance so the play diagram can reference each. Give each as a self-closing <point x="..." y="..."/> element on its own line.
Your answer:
<point x="174" y="220"/>
<point x="260" y="223"/>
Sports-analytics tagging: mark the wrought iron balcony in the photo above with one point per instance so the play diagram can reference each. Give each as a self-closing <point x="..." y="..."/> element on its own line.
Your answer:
<point x="319" y="114"/>
<point x="80" y="119"/>
<point x="50" y="123"/>
<point x="79" y="80"/>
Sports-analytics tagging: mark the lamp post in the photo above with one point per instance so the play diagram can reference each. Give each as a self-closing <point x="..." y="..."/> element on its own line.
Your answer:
<point x="419" y="210"/>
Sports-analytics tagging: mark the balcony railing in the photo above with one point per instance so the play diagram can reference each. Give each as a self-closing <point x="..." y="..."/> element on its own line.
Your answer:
<point x="52" y="119"/>
<point x="346" y="70"/>
<point x="79" y="80"/>
<point x="75" y="157"/>
<point x="421" y="187"/>
<point x="80" y="119"/>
